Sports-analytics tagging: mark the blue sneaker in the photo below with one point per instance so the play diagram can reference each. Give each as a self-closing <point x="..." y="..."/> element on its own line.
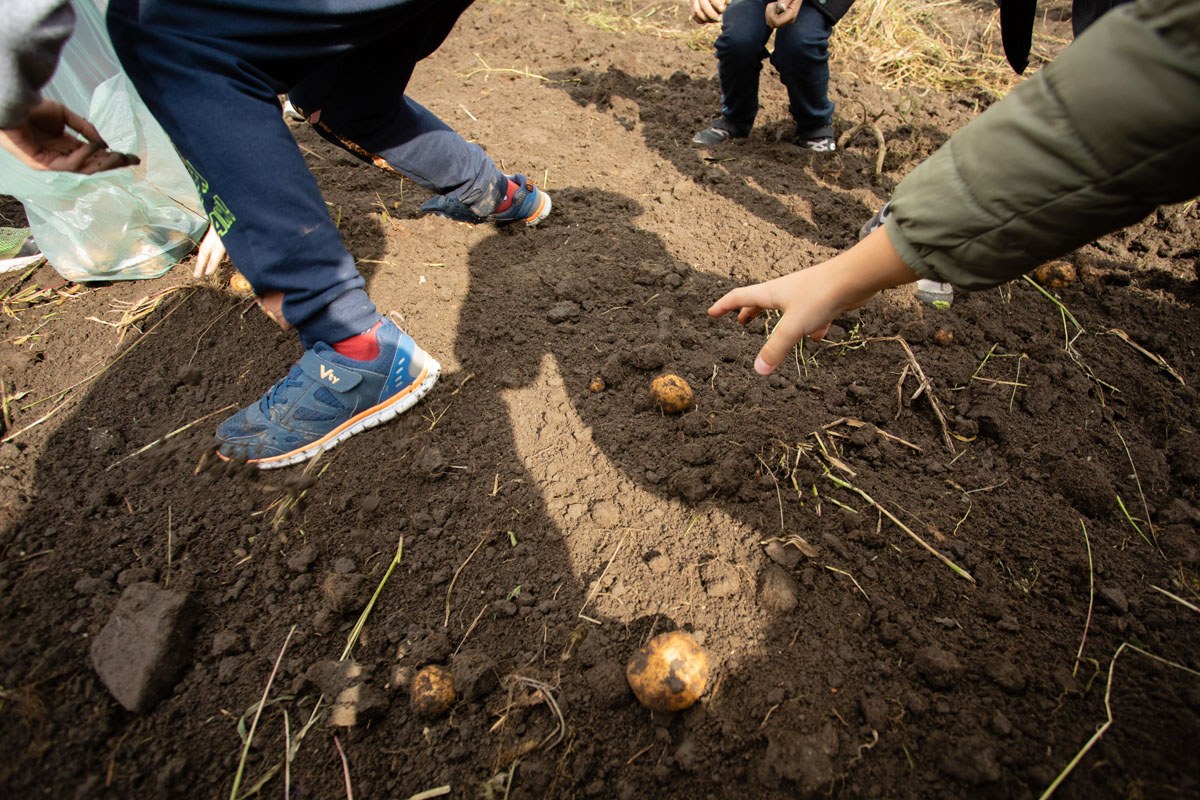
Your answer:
<point x="326" y="398"/>
<point x="529" y="205"/>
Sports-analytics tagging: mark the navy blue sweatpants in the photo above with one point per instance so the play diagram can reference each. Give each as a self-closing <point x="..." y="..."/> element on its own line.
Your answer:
<point x="801" y="56"/>
<point x="211" y="73"/>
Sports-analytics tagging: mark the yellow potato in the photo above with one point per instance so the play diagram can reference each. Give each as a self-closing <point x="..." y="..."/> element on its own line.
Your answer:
<point x="669" y="673"/>
<point x="238" y="284"/>
<point x="432" y="691"/>
<point x="1055" y="274"/>
<point x="597" y="385"/>
<point x="672" y="393"/>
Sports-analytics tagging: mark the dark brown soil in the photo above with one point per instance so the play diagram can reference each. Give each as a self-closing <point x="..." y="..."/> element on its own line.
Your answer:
<point x="550" y="529"/>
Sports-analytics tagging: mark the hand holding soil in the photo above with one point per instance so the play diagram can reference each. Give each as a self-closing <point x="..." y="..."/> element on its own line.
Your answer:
<point x="46" y="141"/>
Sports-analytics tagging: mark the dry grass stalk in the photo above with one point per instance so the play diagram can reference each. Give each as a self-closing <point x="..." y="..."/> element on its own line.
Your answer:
<point x="1157" y="359"/>
<point x="925" y="386"/>
<point x="596" y="586"/>
<point x="249" y="738"/>
<point x="170" y="435"/>
<point x="1100" y="731"/>
<point x="366" y="612"/>
<point x="134" y="312"/>
<point x="908" y="47"/>
<point x="345" y="768"/>
<point x="454" y="580"/>
<point x="622" y="17"/>
<point x="1087" y="623"/>
<point x="1177" y="599"/>
<point x="896" y="521"/>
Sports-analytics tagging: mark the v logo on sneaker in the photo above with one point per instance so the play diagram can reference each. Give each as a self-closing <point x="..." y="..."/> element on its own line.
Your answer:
<point x="328" y="374"/>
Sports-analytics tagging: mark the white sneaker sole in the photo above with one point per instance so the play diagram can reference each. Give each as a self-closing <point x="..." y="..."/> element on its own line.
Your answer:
<point x="13" y="264"/>
<point x="388" y="410"/>
<point x="542" y="212"/>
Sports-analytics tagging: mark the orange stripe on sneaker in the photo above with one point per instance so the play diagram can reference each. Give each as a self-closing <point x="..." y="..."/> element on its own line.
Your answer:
<point x="416" y="384"/>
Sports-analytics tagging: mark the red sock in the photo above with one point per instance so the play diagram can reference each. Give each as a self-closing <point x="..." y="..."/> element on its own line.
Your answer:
<point x="362" y="347"/>
<point x="506" y="203"/>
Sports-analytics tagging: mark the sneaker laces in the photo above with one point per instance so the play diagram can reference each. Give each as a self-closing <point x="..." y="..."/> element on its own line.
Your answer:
<point x="276" y="392"/>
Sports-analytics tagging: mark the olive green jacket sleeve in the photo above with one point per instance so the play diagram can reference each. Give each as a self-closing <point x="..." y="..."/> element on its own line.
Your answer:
<point x="1093" y="142"/>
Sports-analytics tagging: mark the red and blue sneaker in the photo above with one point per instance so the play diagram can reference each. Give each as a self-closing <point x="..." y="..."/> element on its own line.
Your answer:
<point x="522" y="202"/>
<point x="327" y="397"/>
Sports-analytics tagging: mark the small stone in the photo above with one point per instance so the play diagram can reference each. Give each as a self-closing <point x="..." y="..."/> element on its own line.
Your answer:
<point x="142" y="650"/>
<point x="786" y="557"/>
<point x="302" y="559"/>
<point x="1005" y="674"/>
<point x="939" y="668"/>
<point x="342" y="592"/>
<point x="1115" y="599"/>
<point x="778" y="590"/>
<point x="331" y="677"/>
<point x="225" y="642"/>
<point x="608" y="684"/>
<point x="566" y="311"/>
<point x="475" y="674"/>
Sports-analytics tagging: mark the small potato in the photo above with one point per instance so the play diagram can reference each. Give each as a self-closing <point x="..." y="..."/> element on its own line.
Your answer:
<point x="944" y="337"/>
<point x="669" y="673"/>
<point x="597" y="385"/>
<point x="432" y="691"/>
<point x="239" y="285"/>
<point x="1055" y="274"/>
<point x="672" y="393"/>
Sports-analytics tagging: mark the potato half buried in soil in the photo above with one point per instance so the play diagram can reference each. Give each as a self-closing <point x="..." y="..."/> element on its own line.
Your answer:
<point x="669" y="672"/>
<point x="432" y="691"/>
<point x="239" y="285"/>
<point x="672" y="393"/>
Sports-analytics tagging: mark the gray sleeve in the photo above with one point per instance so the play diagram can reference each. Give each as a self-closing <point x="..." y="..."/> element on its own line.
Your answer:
<point x="31" y="38"/>
<point x="1093" y="142"/>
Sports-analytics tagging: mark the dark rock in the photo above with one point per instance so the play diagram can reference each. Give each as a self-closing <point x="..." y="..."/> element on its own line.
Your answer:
<point x="1005" y="674"/>
<point x="778" y="590"/>
<point x="142" y="650"/>
<point x="475" y="674"/>
<point x="939" y="668"/>
<point x="803" y="759"/>
<point x="608" y="684"/>
<point x="566" y="311"/>
<point x="972" y="761"/>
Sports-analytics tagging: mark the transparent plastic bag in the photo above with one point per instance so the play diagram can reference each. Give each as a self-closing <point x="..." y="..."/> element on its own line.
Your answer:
<point x="122" y="224"/>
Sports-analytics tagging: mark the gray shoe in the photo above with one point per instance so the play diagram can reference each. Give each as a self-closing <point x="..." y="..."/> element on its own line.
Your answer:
<point x="934" y="293"/>
<point x="715" y="134"/>
<point x="819" y="144"/>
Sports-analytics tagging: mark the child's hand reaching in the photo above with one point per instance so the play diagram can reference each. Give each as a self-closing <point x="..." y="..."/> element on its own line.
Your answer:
<point x="812" y="298"/>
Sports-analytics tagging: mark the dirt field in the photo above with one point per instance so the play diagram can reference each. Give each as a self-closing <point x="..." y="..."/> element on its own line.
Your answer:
<point x="550" y="529"/>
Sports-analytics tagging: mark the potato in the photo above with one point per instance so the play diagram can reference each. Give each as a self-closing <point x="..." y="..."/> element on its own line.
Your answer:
<point x="597" y="385"/>
<point x="1055" y="274"/>
<point x="432" y="691"/>
<point x="672" y="393"/>
<point x="238" y="284"/>
<point x="944" y="337"/>
<point x="669" y="672"/>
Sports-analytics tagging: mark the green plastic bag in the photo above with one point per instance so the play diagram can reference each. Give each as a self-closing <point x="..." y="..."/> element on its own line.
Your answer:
<point x="122" y="224"/>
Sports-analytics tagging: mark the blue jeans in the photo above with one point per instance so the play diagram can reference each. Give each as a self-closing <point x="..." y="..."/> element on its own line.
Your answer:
<point x="801" y="56"/>
<point x="210" y="73"/>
